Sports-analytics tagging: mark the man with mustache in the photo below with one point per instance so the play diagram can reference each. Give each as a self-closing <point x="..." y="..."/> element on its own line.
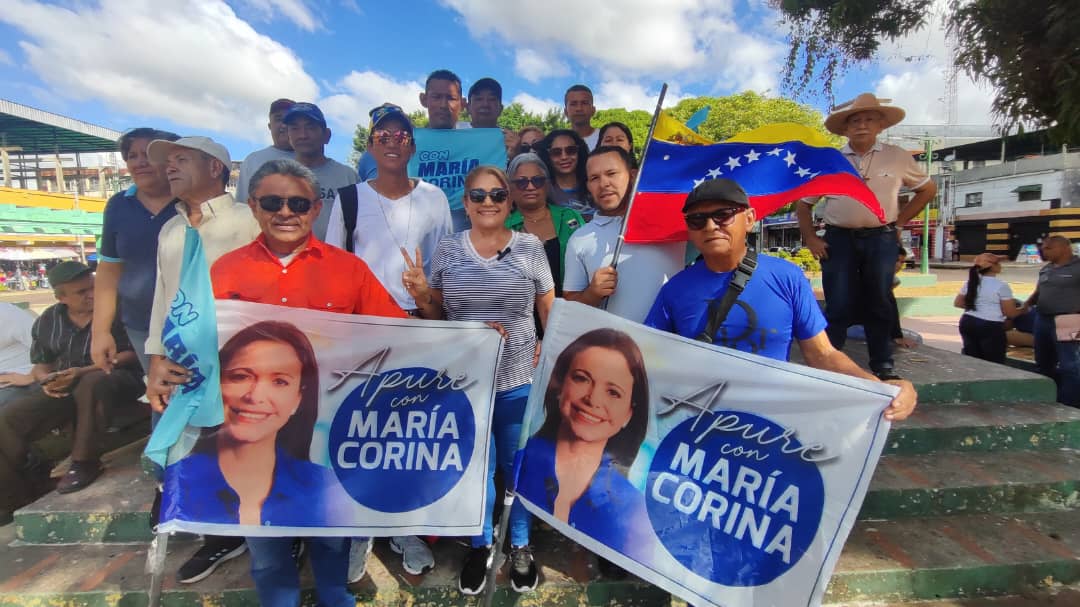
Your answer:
<point x="281" y="148"/>
<point x="288" y="266"/>
<point x="588" y="275"/>
<point x="198" y="170"/>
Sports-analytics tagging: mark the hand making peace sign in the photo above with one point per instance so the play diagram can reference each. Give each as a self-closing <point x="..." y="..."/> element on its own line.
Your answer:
<point x="413" y="277"/>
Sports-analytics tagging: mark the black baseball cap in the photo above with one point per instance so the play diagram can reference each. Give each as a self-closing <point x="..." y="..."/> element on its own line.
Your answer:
<point x="717" y="190"/>
<point x="66" y="271"/>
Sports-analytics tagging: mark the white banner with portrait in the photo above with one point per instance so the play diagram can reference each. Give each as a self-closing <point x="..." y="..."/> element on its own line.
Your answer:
<point x="726" y="478"/>
<point x="339" y="425"/>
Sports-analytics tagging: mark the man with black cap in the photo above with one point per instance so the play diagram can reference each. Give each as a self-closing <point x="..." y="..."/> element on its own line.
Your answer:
<point x="308" y="136"/>
<point x="485" y="107"/>
<point x="279" y="149"/>
<point x="774" y="305"/>
<point x="72" y="388"/>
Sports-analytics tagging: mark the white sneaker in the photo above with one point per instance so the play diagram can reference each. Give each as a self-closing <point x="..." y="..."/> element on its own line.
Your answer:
<point x="416" y="556"/>
<point x="359" y="552"/>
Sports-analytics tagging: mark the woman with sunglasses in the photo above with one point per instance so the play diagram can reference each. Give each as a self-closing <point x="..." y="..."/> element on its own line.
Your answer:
<point x="534" y="213"/>
<point x="529" y="138"/>
<point x="490" y="273"/>
<point x="565" y="152"/>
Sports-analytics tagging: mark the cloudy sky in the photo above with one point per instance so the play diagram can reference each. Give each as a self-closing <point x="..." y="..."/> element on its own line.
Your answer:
<point x="212" y="67"/>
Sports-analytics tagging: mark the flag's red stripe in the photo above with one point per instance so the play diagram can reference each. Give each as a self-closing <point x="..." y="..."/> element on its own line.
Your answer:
<point x="657" y="217"/>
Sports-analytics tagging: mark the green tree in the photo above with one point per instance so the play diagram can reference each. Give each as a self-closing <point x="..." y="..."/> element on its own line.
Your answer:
<point x="744" y="111"/>
<point x="359" y="143"/>
<point x="1026" y="51"/>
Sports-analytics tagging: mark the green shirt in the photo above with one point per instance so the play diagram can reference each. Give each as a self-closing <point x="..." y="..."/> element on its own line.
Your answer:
<point x="566" y="222"/>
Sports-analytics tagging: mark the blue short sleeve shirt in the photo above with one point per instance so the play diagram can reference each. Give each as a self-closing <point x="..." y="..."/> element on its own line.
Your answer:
<point x="129" y="235"/>
<point x="778" y="306"/>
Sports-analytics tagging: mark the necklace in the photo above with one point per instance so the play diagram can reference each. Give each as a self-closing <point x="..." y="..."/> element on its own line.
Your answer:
<point x="865" y="171"/>
<point x="386" y="220"/>
<point x="545" y="217"/>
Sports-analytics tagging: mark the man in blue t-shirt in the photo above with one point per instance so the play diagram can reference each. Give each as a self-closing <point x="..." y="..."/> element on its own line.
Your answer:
<point x="776" y="307"/>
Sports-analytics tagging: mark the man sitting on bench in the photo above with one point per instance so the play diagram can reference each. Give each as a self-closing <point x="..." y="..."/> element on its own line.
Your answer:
<point x="73" y="390"/>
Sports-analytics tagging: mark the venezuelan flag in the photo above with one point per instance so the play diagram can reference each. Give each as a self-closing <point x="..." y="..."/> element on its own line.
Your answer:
<point x="775" y="164"/>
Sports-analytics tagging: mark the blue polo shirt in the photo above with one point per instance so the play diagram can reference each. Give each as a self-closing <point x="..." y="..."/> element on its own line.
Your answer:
<point x="777" y="306"/>
<point x="129" y="235"/>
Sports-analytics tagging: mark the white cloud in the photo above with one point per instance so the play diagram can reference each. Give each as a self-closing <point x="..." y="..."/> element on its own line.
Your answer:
<point x="195" y="63"/>
<point x="695" y="39"/>
<point x="536" y="105"/>
<point x="632" y="96"/>
<point x="295" y="10"/>
<point x="5" y="58"/>
<point x="358" y="92"/>
<point x="535" y="66"/>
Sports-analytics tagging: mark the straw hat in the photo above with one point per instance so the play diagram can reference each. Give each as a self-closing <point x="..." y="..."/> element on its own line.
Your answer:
<point x="890" y="114"/>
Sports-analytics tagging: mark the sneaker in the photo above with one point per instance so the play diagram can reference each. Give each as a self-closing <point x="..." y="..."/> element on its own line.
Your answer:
<point x="416" y="556"/>
<point x="359" y="551"/>
<point x="474" y="573"/>
<point x="215" y="551"/>
<point x="297" y="552"/>
<point x="523" y="574"/>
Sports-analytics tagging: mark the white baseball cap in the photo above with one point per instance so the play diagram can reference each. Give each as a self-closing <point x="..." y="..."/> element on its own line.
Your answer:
<point x="159" y="149"/>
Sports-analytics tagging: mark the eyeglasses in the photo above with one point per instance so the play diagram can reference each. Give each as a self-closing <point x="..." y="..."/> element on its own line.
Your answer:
<point x="570" y="150"/>
<point x="497" y="195"/>
<point x="383" y="136"/>
<point x="522" y="183"/>
<point x="528" y="147"/>
<point x="297" y="204"/>
<point x="721" y="217"/>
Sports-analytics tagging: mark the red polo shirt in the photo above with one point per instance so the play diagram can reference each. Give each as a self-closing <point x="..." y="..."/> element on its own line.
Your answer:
<point x="319" y="277"/>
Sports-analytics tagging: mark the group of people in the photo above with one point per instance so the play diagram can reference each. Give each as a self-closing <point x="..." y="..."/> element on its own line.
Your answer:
<point x="306" y="232"/>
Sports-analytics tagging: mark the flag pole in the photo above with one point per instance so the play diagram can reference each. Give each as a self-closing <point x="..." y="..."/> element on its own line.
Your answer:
<point x="637" y="178"/>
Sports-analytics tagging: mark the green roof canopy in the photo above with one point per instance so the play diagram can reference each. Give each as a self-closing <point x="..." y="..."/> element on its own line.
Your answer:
<point x="40" y="132"/>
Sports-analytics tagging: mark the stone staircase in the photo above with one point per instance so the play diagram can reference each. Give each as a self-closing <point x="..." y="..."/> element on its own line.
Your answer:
<point x="974" y="504"/>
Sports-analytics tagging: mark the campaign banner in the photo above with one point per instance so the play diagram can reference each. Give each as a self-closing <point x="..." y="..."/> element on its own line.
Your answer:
<point x="445" y="156"/>
<point x="726" y="478"/>
<point x="338" y="425"/>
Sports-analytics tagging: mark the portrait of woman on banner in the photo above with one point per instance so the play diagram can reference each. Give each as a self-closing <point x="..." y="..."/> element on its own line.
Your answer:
<point x="255" y="469"/>
<point x="596" y="416"/>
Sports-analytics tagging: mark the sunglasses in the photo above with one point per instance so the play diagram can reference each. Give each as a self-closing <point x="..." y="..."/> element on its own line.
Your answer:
<point x="528" y="147"/>
<point x="570" y="150"/>
<point x="497" y="195"/>
<point x="297" y="204"/>
<point x="522" y="183"/>
<point x="383" y="136"/>
<point x="721" y="217"/>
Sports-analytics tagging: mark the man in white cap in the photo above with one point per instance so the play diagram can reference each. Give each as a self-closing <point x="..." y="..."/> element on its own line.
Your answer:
<point x="198" y="170"/>
<point x="858" y="253"/>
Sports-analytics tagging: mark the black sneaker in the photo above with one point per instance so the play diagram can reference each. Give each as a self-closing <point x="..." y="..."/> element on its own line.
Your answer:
<point x="887" y="375"/>
<point x="523" y="574"/>
<point x="215" y="551"/>
<point x="474" y="572"/>
<point x="297" y="552"/>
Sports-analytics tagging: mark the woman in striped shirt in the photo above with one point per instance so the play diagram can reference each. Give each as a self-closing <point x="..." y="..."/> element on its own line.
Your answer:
<point x="490" y="273"/>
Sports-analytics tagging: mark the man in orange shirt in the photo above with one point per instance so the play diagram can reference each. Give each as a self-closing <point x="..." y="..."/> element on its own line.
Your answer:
<point x="288" y="266"/>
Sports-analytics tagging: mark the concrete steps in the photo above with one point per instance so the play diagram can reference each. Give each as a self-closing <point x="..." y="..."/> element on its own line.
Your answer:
<point x="976" y="496"/>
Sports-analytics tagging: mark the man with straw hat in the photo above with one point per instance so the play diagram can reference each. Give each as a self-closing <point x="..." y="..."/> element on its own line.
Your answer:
<point x="858" y="253"/>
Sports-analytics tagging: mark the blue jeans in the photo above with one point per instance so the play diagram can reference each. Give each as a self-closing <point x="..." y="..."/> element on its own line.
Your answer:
<point x="857" y="277"/>
<point x="277" y="580"/>
<point x="1059" y="360"/>
<point x="505" y="433"/>
<point x="460" y="220"/>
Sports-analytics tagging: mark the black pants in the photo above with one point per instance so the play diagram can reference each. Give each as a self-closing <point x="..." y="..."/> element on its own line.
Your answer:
<point x="983" y="339"/>
<point x="27" y="419"/>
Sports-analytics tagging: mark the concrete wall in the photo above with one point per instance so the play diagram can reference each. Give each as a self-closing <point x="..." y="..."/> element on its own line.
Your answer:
<point x="1059" y="176"/>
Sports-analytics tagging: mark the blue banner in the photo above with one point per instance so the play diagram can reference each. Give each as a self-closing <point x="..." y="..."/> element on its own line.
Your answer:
<point x="445" y="156"/>
<point x="726" y="478"/>
<point x="190" y="339"/>
<point x="338" y="425"/>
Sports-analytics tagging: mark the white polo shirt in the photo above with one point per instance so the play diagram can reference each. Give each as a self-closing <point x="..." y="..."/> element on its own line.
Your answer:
<point x="642" y="268"/>
<point x="419" y="219"/>
<point x="226" y="225"/>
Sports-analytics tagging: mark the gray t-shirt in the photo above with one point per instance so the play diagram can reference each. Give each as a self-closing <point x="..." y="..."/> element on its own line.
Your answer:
<point x="332" y="175"/>
<point x="252" y="163"/>
<point x="1059" y="288"/>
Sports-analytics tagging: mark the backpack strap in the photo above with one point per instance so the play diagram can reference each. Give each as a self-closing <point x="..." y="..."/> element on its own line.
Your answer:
<point x="349" y="207"/>
<point x="719" y="307"/>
